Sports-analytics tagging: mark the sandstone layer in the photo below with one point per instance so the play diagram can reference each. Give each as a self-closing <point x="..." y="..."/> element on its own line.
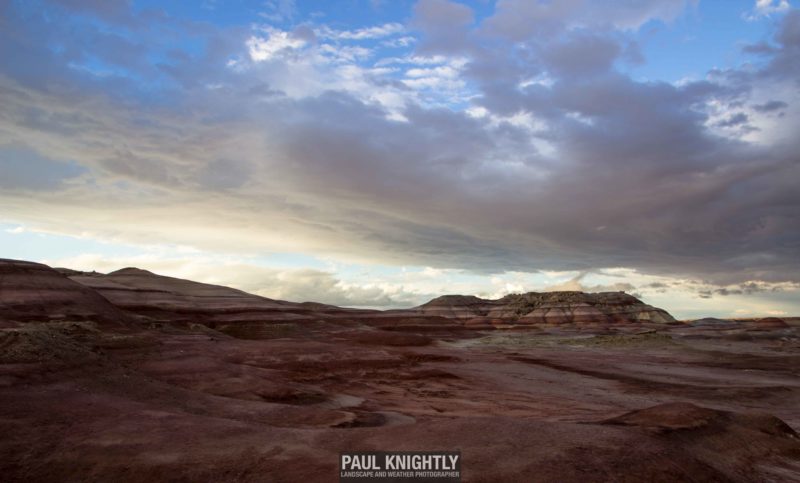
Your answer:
<point x="146" y="296"/>
<point x="169" y="299"/>
<point x="33" y="292"/>
<point x="604" y="308"/>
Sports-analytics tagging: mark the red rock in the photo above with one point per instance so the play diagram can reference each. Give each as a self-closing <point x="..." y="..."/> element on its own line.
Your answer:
<point x="183" y="402"/>
<point x="172" y="299"/>
<point x="549" y="308"/>
<point x="771" y="323"/>
<point x="33" y="292"/>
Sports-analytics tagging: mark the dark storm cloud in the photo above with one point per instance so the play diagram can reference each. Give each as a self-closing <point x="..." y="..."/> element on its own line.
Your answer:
<point x="522" y="19"/>
<point x="748" y="288"/>
<point x="734" y="120"/>
<point x="770" y="106"/>
<point x="785" y="62"/>
<point x="759" y="48"/>
<point x="583" y="55"/>
<point x="581" y="169"/>
<point x="444" y="24"/>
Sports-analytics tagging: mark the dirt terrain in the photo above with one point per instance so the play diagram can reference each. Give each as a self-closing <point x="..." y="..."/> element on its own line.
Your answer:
<point x="149" y="398"/>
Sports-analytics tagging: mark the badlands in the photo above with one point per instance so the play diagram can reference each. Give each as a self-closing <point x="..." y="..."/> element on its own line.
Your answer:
<point x="133" y="376"/>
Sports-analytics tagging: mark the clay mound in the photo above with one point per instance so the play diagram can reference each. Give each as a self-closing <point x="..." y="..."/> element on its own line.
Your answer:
<point x="734" y="444"/>
<point x="456" y="307"/>
<point x="33" y="292"/>
<point x="668" y="417"/>
<point x="732" y="432"/>
<point x="455" y="300"/>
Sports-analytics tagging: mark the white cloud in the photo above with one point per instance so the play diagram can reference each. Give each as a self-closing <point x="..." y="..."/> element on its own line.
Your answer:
<point x="366" y="33"/>
<point x="414" y="59"/>
<point x="348" y="54"/>
<point x="277" y="41"/>
<point x="768" y="7"/>
<point x="399" y="42"/>
<point x="438" y="79"/>
<point x="443" y="71"/>
<point x="295" y="285"/>
<point x="279" y="10"/>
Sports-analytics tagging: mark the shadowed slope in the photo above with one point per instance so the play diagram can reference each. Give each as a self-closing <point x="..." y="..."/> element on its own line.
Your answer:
<point x="33" y="292"/>
<point x="177" y="300"/>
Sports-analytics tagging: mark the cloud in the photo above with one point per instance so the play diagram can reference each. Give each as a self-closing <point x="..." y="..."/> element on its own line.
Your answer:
<point x="764" y="8"/>
<point x="748" y="288"/>
<point x="320" y="286"/>
<point x="307" y="145"/>
<point x="735" y="120"/>
<point x="576" y="284"/>
<point x="581" y="55"/>
<point x="279" y="10"/>
<point x="770" y="106"/>
<point x="276" y="42"/>
<point x="366" y="33"/>
<point x="522" y="19"/>
<point x="294" y="285"/>
<point x="444" y="26"/>
<point x="23" y="169"/>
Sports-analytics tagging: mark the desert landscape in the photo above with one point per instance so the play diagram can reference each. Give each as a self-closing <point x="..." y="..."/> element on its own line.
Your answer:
<point x="133" y="376"/>
<point x="383" y="241"/>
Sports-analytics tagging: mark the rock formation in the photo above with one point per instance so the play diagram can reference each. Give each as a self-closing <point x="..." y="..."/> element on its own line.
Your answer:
<point x="551" y="308"/>
<point x="170" y="299"/>
<point x="232" y="386"/>
<point x="37" y="292"/>
<point x="33" y="292"/>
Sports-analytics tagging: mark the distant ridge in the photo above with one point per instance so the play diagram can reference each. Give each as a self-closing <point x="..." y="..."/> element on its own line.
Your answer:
<point x="173" y="299"/>
<point x="568" y="307"/>
<point x="32" y="291"/>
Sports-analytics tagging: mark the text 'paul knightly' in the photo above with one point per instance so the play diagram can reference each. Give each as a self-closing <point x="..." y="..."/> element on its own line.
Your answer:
<point x="400" y="466"/>
<point x="426" y="462"/>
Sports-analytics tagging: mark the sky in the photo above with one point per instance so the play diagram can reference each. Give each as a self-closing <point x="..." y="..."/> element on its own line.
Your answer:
<point x="378" y="153"/>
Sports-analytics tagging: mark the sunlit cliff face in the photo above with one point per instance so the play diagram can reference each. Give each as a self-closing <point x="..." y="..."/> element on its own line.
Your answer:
<point x="382" y="153"/>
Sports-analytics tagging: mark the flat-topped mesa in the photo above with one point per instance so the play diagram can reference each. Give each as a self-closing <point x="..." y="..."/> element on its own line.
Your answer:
<point x="33" y="292"/>
<point x="546" y="308"/>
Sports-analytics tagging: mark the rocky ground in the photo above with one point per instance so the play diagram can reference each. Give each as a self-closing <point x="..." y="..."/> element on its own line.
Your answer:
<point x="147" y="399"/>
